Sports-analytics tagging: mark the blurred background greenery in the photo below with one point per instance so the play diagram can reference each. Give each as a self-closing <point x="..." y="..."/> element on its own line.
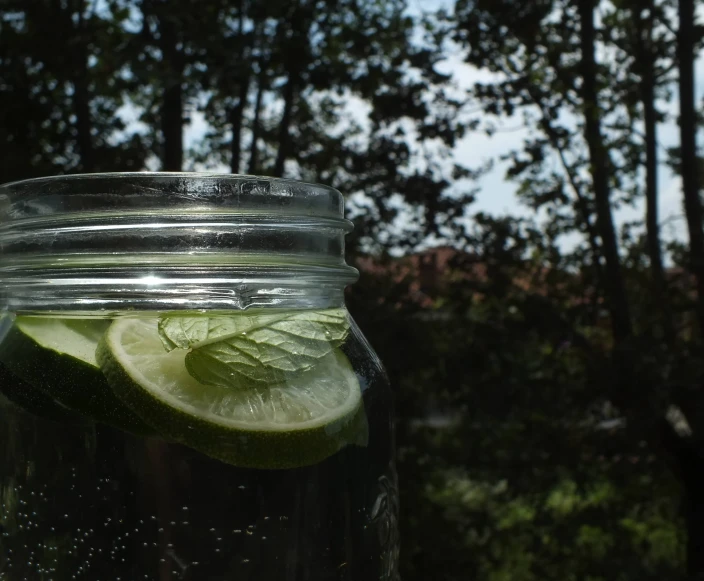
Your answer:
<point x="547" y="359"/>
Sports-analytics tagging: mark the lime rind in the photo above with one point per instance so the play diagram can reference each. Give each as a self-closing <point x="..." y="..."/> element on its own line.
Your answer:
<point x="76" y="338"/>
<point x="57" y="359"/>
<point x="35" y="401"/>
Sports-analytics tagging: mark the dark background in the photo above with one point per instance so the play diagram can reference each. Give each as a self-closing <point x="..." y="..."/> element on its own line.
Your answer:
<point x="548" y="366"/>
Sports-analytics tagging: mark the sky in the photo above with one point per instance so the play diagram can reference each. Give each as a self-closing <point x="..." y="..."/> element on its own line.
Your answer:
<point x="497" y="195"/>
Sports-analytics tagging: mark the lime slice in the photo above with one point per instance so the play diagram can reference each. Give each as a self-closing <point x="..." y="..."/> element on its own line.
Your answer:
<point x="34" y="400"/>
<point x="57" y="357"/>
<point x="299" y="423"/>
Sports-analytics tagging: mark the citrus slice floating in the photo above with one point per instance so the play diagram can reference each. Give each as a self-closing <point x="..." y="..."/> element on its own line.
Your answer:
<point x="57" y="357"/>
<point x="35" y="401"/>
<point x="299" y="422"/>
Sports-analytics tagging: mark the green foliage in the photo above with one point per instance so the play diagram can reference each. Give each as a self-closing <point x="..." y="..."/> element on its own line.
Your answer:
<point x="60" y="104"/>
<point x="523" y="476"/>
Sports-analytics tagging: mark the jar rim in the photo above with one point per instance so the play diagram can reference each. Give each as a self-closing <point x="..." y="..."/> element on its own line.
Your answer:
<point x="178" y="191"/>
<point x="174" y="174"/>
<point x="155" y="239"/>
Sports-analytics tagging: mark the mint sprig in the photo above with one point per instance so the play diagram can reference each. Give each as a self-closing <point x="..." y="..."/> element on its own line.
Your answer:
<point x="245" y="351"/>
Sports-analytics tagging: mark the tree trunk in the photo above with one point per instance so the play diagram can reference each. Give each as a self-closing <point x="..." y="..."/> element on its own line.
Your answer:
<point x="289" y="96"/>
<point x="237" y="112"/>
<point x="651" y="178"/>
<point x="172" y="97"/>
<point x="689" y="170"/>
<point x="81" y="106"/>
<point x="694" y="517"/>
<point x="16" y="155"/>
<point x="688" y="464"/>
<point x="599" y="161"/>
<point x="236" y="115"/>
<point x="254" y="146"/>
<point x="646" y="61"/>
<point x="77" y="47"/>
<point x="297" y="50"/>
<point x="583" y="212"/>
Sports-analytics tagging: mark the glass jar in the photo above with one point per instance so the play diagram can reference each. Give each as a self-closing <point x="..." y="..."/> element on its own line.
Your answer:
<point x="184" y="395"/>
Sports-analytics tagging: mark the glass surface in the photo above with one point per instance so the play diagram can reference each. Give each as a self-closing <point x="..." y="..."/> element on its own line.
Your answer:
<point x="159" y="241"/>
<point x="95" y="486"/>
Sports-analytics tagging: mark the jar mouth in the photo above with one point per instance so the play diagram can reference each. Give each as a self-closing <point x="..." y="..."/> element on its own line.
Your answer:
<point x="156" y="239"/>
<point x="174" y="191"/>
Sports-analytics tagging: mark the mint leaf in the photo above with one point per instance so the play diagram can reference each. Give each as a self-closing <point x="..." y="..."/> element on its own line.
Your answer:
<point x="182" y="332"/>
<point x="179" y="332"/>
<point x="250" y="350"/>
